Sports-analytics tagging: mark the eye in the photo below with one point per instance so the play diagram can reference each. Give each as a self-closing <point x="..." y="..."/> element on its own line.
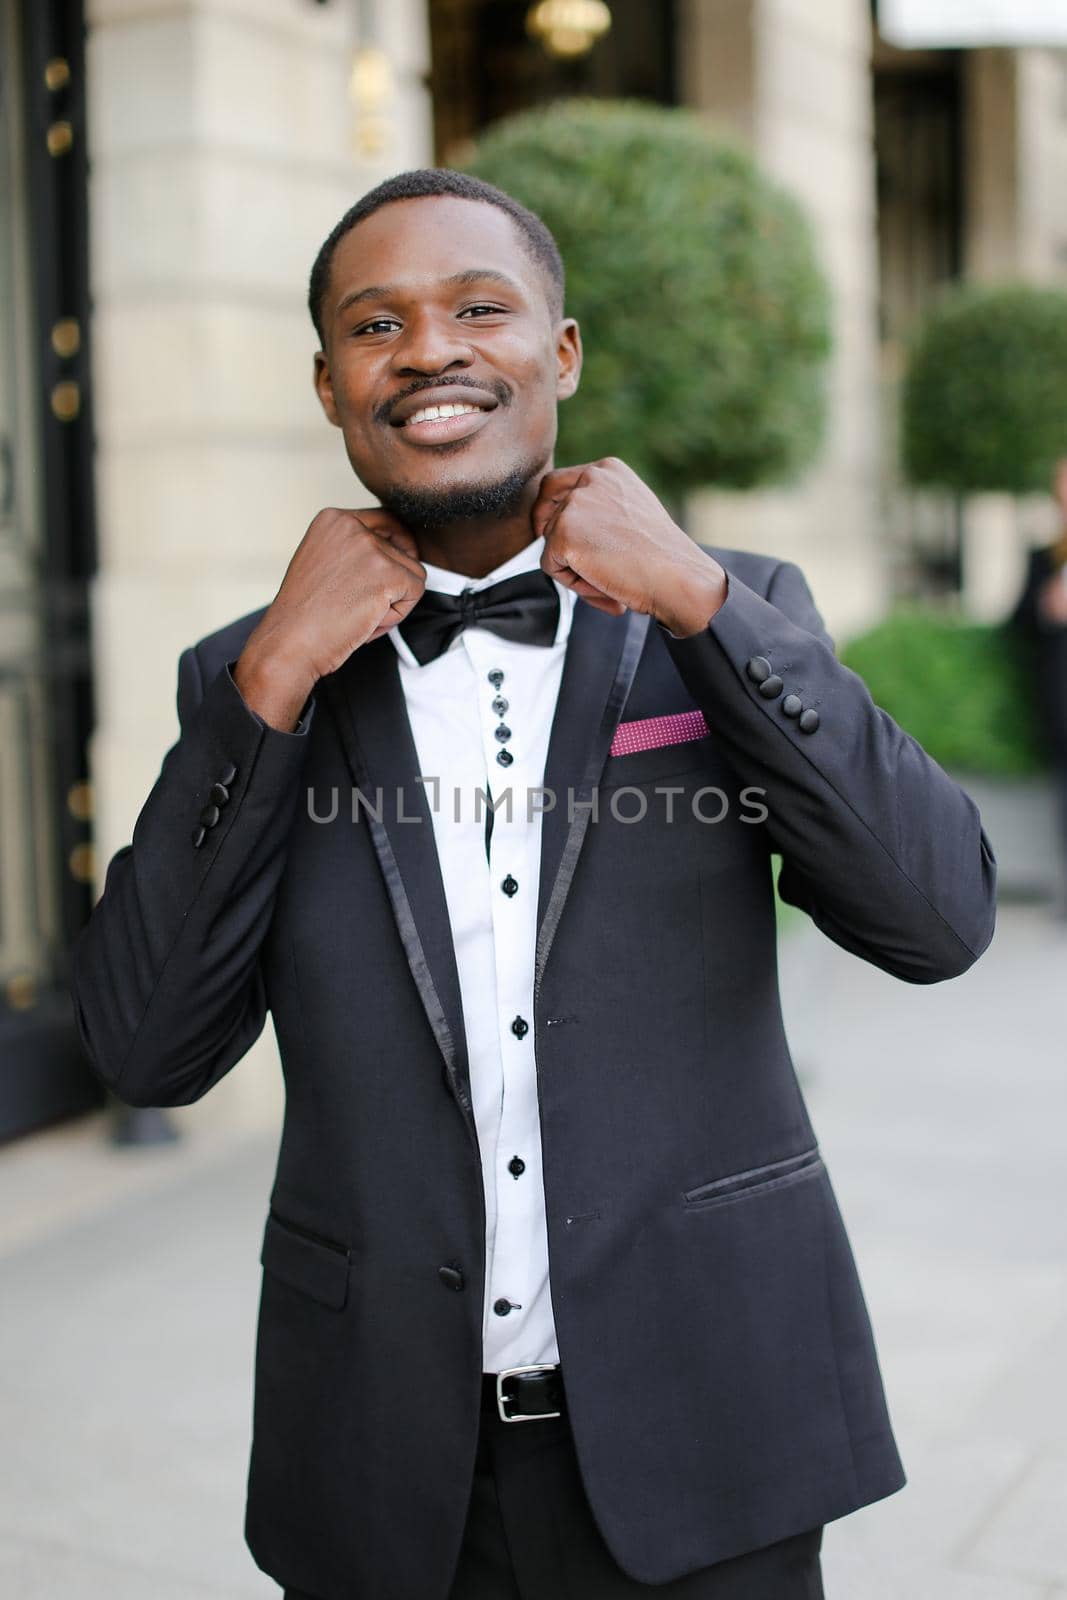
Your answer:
<point x="492" y="310"/>
<point x="379" y="322"/>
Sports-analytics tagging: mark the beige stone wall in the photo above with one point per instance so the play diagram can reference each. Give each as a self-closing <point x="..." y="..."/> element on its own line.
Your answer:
<point x="222" y="152"/>
<point x="990" y="181"/>
<point x="794" y="80"/>
<point x="1042" y="178"/>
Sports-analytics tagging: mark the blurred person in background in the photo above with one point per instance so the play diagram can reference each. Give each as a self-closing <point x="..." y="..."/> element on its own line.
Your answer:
<point x="1040" y="620"/>
<point x="557" y="1297"/>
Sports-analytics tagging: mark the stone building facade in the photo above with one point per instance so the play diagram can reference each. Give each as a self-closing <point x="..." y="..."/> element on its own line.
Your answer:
<point x="224" y="138"/>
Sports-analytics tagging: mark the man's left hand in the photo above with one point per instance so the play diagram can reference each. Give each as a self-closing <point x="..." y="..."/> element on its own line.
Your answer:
<point x="609" y="539"/>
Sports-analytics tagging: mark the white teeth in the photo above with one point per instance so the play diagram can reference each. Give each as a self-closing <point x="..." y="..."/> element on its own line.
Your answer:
<point x="434" y="413"/>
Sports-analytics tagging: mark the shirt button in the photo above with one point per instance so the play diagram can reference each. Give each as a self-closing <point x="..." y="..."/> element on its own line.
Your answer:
<point x="516" y="1166"/>
<point x="510" y="886"/>
<point x="505" y="757"/>
<point x="502" y="731"/>
<point x="501" y="1307"/>
<point x="520" y="1027"/>
<point x="496" y="677"/>
<point x="500" y="705"/>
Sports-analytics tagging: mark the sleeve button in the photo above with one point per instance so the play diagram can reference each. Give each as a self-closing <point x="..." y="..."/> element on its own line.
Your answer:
<point x="228" y="773"/>
<point x="759" y="669"/>
<point x="209" y="816"/>
<point x="792" y="705"/>
<point x="771" y="687"/>
<point x="809" y="720"/>
<point x="199" y="835"/>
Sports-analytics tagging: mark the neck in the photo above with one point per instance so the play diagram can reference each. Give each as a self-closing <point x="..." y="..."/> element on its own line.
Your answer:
<point x="477" y="545"/>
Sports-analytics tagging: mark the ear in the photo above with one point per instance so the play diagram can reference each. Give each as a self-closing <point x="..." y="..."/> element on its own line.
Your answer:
<point x="324" y="387"/>
<point x="568" y="358"/>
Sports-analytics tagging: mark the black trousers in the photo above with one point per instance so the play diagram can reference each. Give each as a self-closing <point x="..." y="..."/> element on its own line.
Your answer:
<point x="530" y="1535"/>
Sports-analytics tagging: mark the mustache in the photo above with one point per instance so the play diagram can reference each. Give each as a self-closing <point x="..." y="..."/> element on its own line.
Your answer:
<point x="495" y="386"/>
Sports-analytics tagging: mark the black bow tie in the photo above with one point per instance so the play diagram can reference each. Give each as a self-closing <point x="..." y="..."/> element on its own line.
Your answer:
<point x="524" y="608"/>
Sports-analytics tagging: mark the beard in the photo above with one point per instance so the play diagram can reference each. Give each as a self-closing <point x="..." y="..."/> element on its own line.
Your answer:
<point x="429" y="510"/>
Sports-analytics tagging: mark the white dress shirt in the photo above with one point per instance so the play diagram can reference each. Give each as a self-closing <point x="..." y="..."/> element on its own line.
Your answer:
<point x="450" y="704"/>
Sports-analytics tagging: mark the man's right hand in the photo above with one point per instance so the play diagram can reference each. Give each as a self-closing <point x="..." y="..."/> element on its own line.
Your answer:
<point x="354" y="575"/>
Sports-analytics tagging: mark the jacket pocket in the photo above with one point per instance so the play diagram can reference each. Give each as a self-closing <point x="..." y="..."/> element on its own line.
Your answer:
<point x="662" y="761"/>
<point x="306" y="1261"/>
<point x="757" y="1180"/>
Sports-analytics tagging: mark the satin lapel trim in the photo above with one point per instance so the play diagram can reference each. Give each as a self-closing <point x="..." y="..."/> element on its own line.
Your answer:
<point x="366" y="698"/>
<point x="602" y="656"/>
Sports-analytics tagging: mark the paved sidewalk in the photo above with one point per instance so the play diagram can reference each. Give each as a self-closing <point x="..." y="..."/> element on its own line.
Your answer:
<point x="130" y="1280"/>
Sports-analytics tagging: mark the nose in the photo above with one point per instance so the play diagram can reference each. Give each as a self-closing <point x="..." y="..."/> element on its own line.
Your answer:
<point x="429" y="343"/>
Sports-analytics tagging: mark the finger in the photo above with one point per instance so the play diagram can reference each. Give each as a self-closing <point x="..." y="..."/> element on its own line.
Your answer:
<point x="398" y="610"/>
<point x="386" y="526"/>
<point x="614" y="608"/>
<point x="402" y="540"/>
<point x="556" y="489"/>
<point x="586" y="590"/>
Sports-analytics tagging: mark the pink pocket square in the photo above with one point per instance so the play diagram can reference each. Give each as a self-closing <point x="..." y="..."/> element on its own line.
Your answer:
<point x="648" y="733"/>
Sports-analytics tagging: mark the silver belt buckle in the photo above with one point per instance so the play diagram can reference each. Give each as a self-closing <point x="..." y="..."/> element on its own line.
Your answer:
<point x="533" y="1416"/>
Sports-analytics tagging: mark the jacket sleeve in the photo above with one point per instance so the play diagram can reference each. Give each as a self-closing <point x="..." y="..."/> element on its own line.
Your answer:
<point x="882" y="849"/>
<point x="166" y="979"/>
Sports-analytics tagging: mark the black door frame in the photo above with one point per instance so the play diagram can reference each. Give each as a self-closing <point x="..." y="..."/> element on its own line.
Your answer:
<point x="43" y="1072"/>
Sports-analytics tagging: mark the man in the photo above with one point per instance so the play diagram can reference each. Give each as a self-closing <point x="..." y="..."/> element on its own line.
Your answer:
<point x="557" y="1300"/>
<point x="1040" y="623"/>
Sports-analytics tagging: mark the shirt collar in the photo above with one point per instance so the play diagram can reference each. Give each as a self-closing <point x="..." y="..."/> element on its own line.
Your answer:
<point x="445" y="581"/>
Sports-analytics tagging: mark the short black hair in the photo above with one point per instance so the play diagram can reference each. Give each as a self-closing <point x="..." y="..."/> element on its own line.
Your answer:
<point x="416" y="185"/>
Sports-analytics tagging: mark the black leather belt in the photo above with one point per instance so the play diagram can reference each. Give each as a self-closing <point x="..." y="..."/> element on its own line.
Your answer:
<point x="524" y="1394"/>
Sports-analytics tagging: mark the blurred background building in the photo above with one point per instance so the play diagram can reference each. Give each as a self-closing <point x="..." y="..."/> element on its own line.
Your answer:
<point x="168" y="169"/>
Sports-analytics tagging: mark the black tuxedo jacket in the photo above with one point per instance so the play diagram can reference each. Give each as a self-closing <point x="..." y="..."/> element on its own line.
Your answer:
<point x="722" y="1379"/>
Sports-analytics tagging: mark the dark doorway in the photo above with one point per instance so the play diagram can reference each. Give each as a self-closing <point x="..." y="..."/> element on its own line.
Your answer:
<point x="486" y="66"/>
<point x="918" y="118"/>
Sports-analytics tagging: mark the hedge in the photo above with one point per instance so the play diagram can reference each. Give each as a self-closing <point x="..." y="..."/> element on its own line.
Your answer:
<point x="704" y="316"/>
<point x="985" y="392"/>
<point x="959" y="688"/>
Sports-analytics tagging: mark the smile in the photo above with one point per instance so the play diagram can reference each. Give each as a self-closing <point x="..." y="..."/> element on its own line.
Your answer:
<point x="435" y="424"/>
<point x="431" y="413"/>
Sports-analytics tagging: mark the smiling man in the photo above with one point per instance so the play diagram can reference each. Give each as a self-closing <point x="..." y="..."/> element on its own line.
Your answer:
<point x="557" y="1299"/>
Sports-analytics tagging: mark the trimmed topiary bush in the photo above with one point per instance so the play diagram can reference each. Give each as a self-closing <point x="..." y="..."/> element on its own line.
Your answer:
<point x="704" y="316"/>
<point x="985" y="396"/>
<point x="959" y="688"/>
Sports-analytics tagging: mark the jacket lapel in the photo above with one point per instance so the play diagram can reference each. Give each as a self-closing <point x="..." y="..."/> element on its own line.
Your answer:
<point x="602" y="656"/>
<point x="366" y="699"/>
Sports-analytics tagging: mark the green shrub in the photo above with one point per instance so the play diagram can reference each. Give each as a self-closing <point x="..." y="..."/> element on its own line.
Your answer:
<point x="985" y="395"/>
<point x="704" y="316"/>
<point x="959" y="688"/>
